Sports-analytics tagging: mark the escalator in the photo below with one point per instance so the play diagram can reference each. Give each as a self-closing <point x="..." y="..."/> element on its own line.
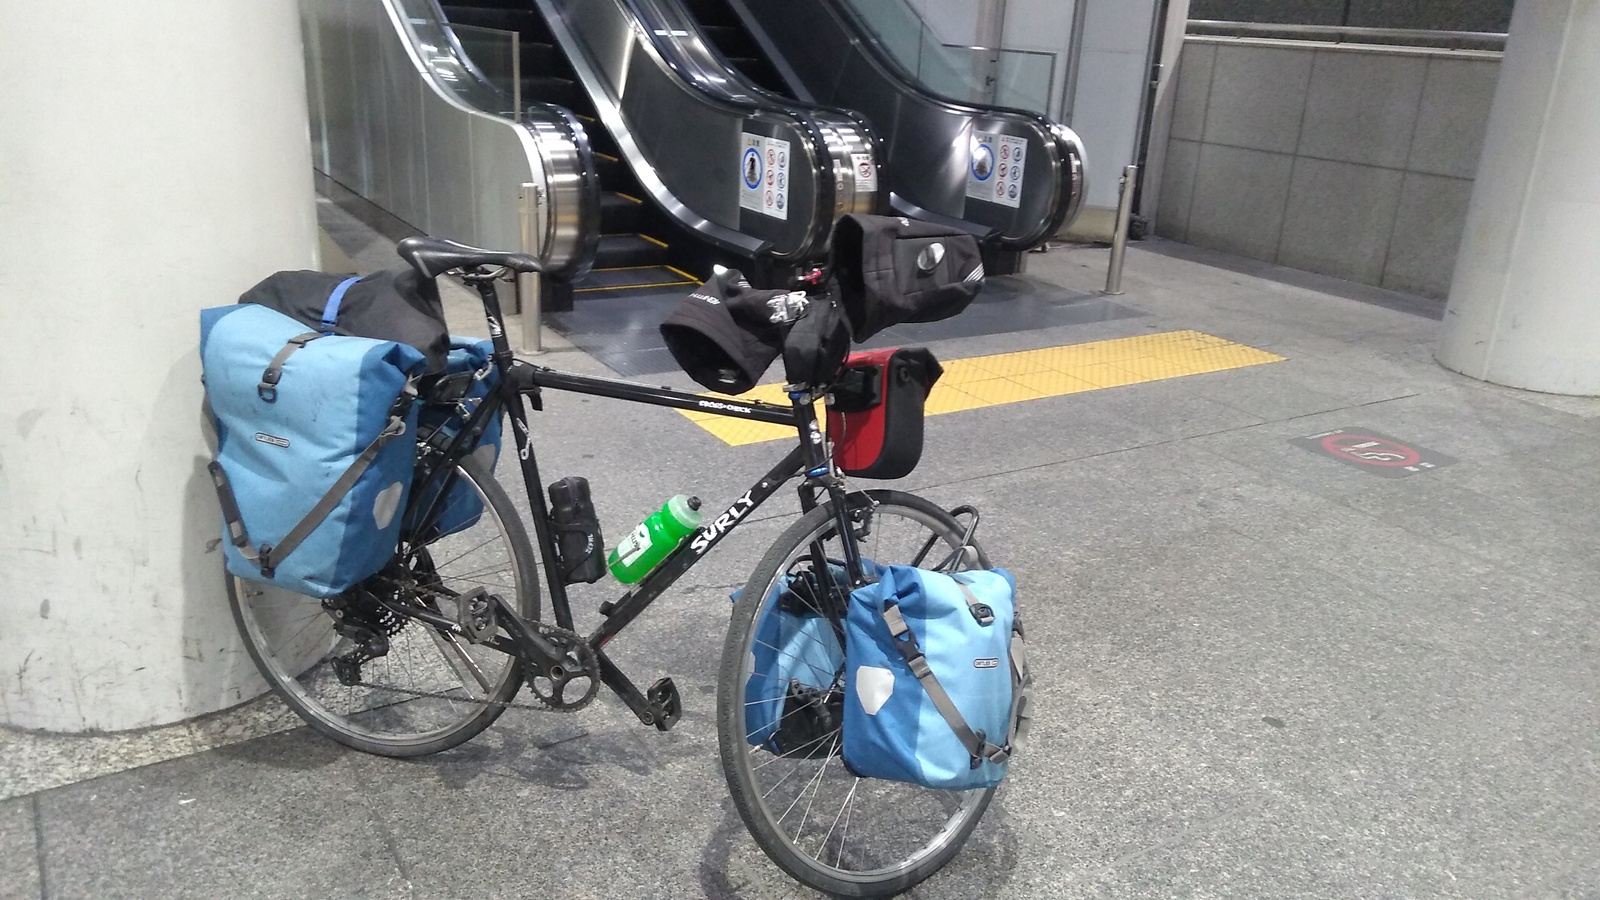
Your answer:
<point x="1011" y="177"/>
<point x="671" y="130"/>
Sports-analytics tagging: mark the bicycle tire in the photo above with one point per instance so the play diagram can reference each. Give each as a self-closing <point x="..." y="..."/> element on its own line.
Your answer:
<point x="872" y="872"/>
<point x="292" y="639"/>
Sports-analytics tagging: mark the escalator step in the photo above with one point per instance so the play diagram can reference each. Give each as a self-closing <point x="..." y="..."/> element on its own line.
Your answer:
<point x="627" y="250"/>
<point x="632" y="277"/>
<point x="550" y="89"/>
<point x="709" y="12"/>
<point x="614" y="174"/>
<point x="526" y="22"/>
<point x="621" y="213"/>
<point x="600" y="139"/>
<point x="731" y="40"/>
<point x="540" y="58"/>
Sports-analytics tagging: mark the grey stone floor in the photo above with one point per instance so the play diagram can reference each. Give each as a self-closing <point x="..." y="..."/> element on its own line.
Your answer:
<point x="1262" y="673"/>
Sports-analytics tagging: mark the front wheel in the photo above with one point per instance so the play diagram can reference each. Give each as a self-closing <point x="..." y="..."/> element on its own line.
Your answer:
<point x="833" y="831"/>
<point x="429" y="690"/>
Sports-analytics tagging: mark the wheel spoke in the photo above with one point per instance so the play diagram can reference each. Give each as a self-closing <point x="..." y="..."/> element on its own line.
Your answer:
<point x="420" y="689"/>
<point x="883" y="835"/>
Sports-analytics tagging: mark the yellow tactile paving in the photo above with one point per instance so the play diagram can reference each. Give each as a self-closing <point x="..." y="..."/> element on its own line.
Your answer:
<point x="1032" y="375"/>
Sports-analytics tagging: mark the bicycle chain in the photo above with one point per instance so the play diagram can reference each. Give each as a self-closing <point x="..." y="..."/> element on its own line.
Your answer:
<point x="568" y="640"/>
<point x="591" y="669"/>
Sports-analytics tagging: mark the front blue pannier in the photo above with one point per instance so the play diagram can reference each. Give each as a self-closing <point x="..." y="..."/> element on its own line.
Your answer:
<point x="315" y="447"/>
<point x="935" y="677"/>
<point x="791" y="699"/>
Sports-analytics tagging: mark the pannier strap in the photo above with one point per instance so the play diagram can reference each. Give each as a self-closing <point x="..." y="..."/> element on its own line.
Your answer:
<point x="330" y="313"/>
<point x="977" y="743"/>
<point x="268" y="388"/>
<point x="270" y="556"/>
<point x="979" y="609"/>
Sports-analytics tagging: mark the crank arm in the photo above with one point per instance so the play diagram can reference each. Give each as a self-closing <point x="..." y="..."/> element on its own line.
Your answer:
<point x="661" y="711"/>
<point x="532" y="647"/>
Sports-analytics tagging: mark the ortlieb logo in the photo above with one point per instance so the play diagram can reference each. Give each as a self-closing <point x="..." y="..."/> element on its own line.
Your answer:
<point x="272" y="439"/>
<point x="991" y="662"/>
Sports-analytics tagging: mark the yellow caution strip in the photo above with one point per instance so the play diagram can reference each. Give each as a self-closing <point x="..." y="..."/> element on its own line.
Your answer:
<point x="1032" y="375"/>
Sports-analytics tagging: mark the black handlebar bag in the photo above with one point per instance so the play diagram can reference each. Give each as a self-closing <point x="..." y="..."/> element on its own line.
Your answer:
<point x="892" y="270"/>
<point x="724" y="334"/>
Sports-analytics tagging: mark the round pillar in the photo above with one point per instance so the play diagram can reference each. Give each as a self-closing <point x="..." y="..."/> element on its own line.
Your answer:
<point x="1523" y="310"/>
<point x="154" y="160"/>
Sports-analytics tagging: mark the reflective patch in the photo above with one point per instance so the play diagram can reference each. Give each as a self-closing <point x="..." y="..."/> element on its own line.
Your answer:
<point x="387" y="504"/>
<point x="874" y="686"/>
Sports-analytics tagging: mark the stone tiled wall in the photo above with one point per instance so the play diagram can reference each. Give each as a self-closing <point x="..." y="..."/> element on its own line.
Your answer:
<point x="1429" y="15"/>
<point x="1345" y="161"/>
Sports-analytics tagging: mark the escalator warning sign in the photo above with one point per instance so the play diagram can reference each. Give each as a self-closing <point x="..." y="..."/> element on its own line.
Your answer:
<point x="994" y="174"/>
<point x="764" y="175"/>
<point x="866" y="172"/>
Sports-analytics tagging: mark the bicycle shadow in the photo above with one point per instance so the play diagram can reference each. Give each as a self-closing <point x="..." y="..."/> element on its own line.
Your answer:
<point x="572" y="759"/>
<point x="732" y="867"/>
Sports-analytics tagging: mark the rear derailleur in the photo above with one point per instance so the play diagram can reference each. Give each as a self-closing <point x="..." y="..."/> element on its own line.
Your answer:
<point x="365" y="623"/>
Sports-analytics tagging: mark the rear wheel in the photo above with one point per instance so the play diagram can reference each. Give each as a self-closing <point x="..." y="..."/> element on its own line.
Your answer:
<point x="432" y="689"/>
<point x="835" y="832"/>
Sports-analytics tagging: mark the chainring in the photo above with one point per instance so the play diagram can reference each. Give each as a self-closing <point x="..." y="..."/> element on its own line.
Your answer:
<point x="581" y="663"/>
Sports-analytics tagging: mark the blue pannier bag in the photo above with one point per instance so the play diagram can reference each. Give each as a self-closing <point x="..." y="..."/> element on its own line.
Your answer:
<point x="935" y="677"/>
<point x="792" y="697"/>
<point x="447" y="404"/>
<point x="315" y="446"/>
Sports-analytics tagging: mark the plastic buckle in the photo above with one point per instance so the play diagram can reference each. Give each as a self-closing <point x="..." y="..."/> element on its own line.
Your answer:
<point x="268" y="388"/>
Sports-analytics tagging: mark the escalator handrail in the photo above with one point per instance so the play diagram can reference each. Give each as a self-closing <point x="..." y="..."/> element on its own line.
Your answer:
<point x="1066" y="154"/>
<point x="721" y="236"/>
<point x="714" y="77"/>
<point x="589" y="187"/>
<point x="583" y="255"/>
<point x="725" y="83"/>
<point x="736" y="95"/>
<point x="588" y="173"/>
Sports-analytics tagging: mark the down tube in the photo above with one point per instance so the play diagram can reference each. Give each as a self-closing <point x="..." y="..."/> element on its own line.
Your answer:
<point x="634" y="602"/>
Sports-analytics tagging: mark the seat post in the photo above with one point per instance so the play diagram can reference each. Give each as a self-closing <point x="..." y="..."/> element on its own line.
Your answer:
<point x="491" y="309"/>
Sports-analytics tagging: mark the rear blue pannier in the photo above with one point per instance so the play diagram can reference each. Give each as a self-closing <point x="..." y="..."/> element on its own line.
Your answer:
<point x="467" y="380"/>
<point x="315" y="447"/>
<point x="935" y="678"/>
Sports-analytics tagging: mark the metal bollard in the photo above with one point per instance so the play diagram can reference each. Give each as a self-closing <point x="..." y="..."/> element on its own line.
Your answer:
<point x="1119" y="239"/>
<point x="528" y="285"/>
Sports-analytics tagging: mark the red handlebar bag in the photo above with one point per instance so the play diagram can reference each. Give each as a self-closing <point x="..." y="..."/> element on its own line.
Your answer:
<point x="875" y="412"/>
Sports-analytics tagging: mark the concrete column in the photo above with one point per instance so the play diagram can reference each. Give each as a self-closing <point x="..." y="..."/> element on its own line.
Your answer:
<point x="1524" y="309"/>
<point x="154" y="160"/>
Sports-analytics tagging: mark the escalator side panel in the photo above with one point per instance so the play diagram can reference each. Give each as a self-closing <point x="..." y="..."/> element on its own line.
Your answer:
<point x="930" y="139"/>
<point x="683" y="141"/>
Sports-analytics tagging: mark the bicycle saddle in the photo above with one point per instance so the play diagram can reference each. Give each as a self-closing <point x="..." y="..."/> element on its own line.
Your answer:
<point x="435" y="256"/>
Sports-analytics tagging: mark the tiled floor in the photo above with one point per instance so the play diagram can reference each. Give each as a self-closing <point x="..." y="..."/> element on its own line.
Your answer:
<point x="622" y="332"/>
<point x="1261" y="671"/>
<point x="998" y="378"/>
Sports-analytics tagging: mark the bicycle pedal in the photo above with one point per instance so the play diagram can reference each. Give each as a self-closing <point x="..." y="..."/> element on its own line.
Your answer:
<point x="475" y="613"/>
<point x="665" y="703"/>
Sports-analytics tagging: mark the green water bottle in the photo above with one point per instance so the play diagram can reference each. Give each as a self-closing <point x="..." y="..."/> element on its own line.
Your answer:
<point x="656" y="537"/>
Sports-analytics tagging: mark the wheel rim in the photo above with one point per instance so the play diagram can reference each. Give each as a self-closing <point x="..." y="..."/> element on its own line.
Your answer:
<point x="430" y="685"/>
<point x="838" y="826"/>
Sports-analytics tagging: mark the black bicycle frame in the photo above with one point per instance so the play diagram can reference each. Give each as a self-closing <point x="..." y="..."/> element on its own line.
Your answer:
<point x="519" y="379"/>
